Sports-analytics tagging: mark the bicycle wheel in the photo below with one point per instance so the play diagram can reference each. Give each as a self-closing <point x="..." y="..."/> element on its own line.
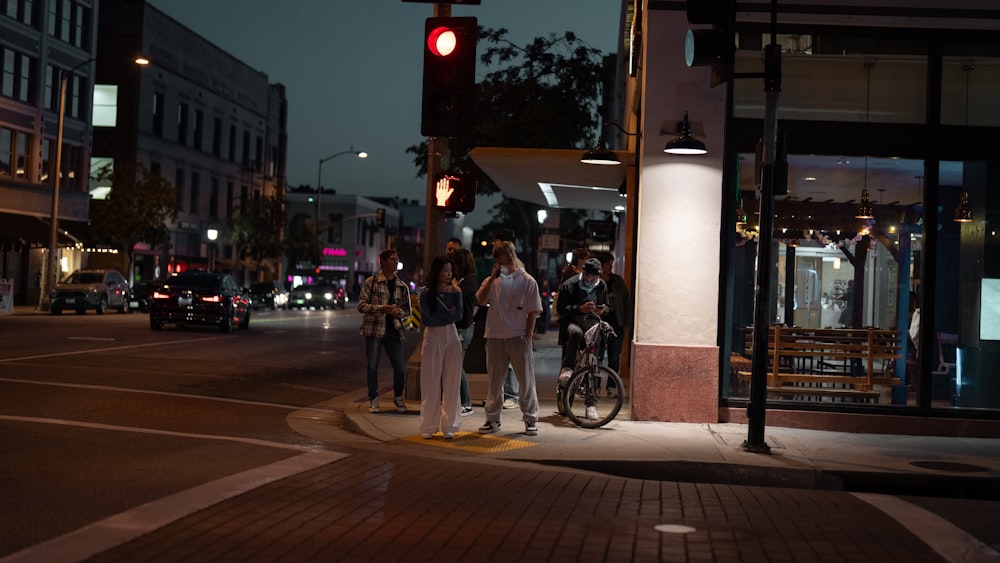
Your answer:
<point x="584" y="390"/>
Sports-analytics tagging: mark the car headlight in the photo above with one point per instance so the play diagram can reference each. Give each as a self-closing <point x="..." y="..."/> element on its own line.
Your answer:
<point x="328" y="296"/>
<point x="309" y="295"/>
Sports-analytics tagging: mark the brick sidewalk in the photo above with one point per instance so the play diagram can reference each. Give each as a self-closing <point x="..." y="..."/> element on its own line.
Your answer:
<point x="390" y="507"/>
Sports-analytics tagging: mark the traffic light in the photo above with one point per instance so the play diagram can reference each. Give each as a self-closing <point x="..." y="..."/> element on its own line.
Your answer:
<point x="380" y="217"/>
<point x="454" y="191"/>
<point x="449" y="76"/>
<point x="711" y="47"/>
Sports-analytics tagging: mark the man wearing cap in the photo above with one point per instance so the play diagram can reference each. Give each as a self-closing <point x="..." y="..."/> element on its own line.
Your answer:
<point x="581" y="302"/>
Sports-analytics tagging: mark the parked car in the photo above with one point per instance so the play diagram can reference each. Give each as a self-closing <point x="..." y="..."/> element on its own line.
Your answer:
<point x="318" y="296"/>
<point x="142" y="294"/>
<point x="269" y="294"/>
<point x="211" y="298"/>
<point x="90" y="289"/>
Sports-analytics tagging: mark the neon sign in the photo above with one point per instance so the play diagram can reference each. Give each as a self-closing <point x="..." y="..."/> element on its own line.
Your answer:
<point x="339" y="252"/>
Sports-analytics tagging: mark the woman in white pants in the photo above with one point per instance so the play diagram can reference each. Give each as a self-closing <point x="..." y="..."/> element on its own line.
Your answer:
<point x="440" y="352"/>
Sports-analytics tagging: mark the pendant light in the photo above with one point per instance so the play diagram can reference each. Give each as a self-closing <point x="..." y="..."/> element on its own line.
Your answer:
<point x="865" y="210"/>
<point x="963" y="213"/>
<point x="601" y="155"/>
<point x="685" y="144"/>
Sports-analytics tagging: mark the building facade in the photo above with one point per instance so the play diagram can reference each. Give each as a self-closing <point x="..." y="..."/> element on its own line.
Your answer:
<point x="883" y="107"/>
<point x="200" y="118"/>
<point x="39" y="41"/>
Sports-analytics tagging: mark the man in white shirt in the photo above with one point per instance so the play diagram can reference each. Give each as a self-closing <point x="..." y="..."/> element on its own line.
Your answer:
<point x="514" y="301"/>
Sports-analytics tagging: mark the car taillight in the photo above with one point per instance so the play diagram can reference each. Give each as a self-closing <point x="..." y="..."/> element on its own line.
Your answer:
<point x="212" y="298"/>
<point x="160" y="295"/>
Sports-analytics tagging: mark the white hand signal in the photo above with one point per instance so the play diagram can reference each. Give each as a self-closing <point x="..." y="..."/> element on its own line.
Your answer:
<point x="444" y="191"/>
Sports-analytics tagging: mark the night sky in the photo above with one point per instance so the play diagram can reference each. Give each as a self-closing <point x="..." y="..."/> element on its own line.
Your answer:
<point x="353" y="70"/>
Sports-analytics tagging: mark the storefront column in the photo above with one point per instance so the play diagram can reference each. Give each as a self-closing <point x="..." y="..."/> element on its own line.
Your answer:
<point x="675" y="373"/>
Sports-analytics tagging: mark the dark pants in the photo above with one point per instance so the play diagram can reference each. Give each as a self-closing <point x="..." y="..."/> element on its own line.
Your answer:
<point x="572" y="345"/>
<point x="394" y="350"/>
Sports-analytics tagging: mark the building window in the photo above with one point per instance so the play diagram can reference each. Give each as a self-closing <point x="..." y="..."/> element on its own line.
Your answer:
<point x="259" y="154"/>
<point x="232" y="143"/>
<point x="6" y="151"/>
<point x="213" y="202"/>
<point x="246" y="148"/>
<point x="195" y="195"/>
<point x="105" y="105"/>
<point x="229" y="200"/>
<point x="16" y="73"/>
<point x="199" y="127"/>
<point x="20" y="10"/>
<point x="179" y="184"/>
<point x="244" y="194"/>
<point x="74" y="95"/>
<point x="69" y="21"/>
<point x="182" y="123"/>
<point x="158" y="114"/>
<point x="217" y="137"/>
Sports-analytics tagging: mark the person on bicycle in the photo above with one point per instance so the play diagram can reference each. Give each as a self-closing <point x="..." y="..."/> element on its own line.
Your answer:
<point x="580" y="304"/>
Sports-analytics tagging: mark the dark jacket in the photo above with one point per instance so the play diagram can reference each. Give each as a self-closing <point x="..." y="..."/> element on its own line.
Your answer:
<point x="571" y="296"/>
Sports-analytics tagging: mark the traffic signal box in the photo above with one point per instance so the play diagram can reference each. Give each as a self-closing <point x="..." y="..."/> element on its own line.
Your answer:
<point x="449" y="76"/>
<point x="455" y="192"/>
<point x="712" y="47"/>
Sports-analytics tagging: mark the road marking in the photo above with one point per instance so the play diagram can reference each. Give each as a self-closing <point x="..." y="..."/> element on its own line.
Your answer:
<point x="91" y="338"/>
<point x="113" y="349"/>
<point x="948" y="540"/>
<point x="139" y="430"/>
<point x="162" y="393"/>
<point x="123" y="527"/>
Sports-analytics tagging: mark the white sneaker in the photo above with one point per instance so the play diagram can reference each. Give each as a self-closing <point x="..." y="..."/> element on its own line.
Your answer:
<point x="510" y="404"/>
<point x="400" y="404"/>
<point x="564" y="375"/>
<point x="466" y="411"/>
<point x="592" y="413"/>
<point x="373" y="406"/>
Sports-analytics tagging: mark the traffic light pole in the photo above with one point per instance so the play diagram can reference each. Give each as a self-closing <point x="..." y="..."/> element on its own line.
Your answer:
<point x="762" y="303"/>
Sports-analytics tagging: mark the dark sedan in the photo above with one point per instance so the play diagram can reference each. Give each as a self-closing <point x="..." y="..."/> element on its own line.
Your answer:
<point x="209" y="298"/>
<point x="317" y="296"/>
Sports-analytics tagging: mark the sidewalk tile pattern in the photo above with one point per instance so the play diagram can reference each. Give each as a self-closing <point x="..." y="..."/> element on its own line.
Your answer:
<point x="393" y="507"/>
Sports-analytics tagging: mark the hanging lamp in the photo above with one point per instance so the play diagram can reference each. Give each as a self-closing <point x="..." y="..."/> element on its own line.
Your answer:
<point x="865" y="210"/>
<point x="963" y="213"/>
<point x="685" y="144"/>
<point x="600" y="155"/>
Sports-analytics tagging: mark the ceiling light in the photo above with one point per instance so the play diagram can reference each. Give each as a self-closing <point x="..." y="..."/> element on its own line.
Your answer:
<point x="865" y="210"/>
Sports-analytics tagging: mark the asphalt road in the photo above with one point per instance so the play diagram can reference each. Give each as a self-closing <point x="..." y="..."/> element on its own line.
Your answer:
<point x="99" y="413"/>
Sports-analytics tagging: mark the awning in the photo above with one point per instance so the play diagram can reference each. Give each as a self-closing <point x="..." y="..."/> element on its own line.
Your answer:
<point x="554" y="177"/>
<point x="30" y="230"/>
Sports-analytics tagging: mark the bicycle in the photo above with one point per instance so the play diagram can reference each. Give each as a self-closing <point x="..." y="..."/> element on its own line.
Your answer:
<point x="579" y="399"/>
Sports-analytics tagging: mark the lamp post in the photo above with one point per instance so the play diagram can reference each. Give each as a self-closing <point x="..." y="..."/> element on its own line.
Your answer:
<point x="212" y="234"/>
<point x="50" y="279"/>
<point x="319" y="180"/>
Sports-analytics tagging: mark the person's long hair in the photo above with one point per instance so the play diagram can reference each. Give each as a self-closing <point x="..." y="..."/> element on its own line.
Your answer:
<point x="463" y="263"/>
<point x="437" y="264"/>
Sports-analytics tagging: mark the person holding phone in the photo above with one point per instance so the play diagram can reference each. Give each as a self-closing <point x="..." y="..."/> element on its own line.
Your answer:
<point x="581" y="302"/>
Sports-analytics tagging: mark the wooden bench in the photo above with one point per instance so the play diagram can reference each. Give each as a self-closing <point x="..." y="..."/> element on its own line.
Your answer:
<point x="828" y="363"/>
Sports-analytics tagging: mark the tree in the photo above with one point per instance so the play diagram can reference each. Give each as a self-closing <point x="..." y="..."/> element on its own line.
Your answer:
<point x="136" y="210"/>
<point x="543" y="95"/>
<point x="256" y="231"/>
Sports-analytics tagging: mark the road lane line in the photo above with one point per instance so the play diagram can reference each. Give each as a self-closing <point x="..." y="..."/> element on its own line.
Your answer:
<point x="162" y="393"/>
<point x="948" y="540"/>
<point x="113" y="349"/>
<point x="126" y="526"/>
<point x="140" y="430"/>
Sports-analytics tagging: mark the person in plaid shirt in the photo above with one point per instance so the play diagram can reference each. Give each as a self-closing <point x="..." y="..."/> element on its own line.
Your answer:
<point x="385" y="300"/>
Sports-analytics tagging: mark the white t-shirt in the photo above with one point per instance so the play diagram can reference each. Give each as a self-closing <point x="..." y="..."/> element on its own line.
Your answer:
<point x="511" y="299"/>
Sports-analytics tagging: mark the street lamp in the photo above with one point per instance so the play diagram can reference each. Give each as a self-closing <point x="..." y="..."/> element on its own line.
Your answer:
<point x="319" y="179"/>
<point x="213" y="234"/>
<point x="50" y="279"/>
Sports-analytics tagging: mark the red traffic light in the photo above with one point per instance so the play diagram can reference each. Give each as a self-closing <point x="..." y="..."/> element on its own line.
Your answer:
<point x="449" y="76"/>
<point x="442" y="41"/>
